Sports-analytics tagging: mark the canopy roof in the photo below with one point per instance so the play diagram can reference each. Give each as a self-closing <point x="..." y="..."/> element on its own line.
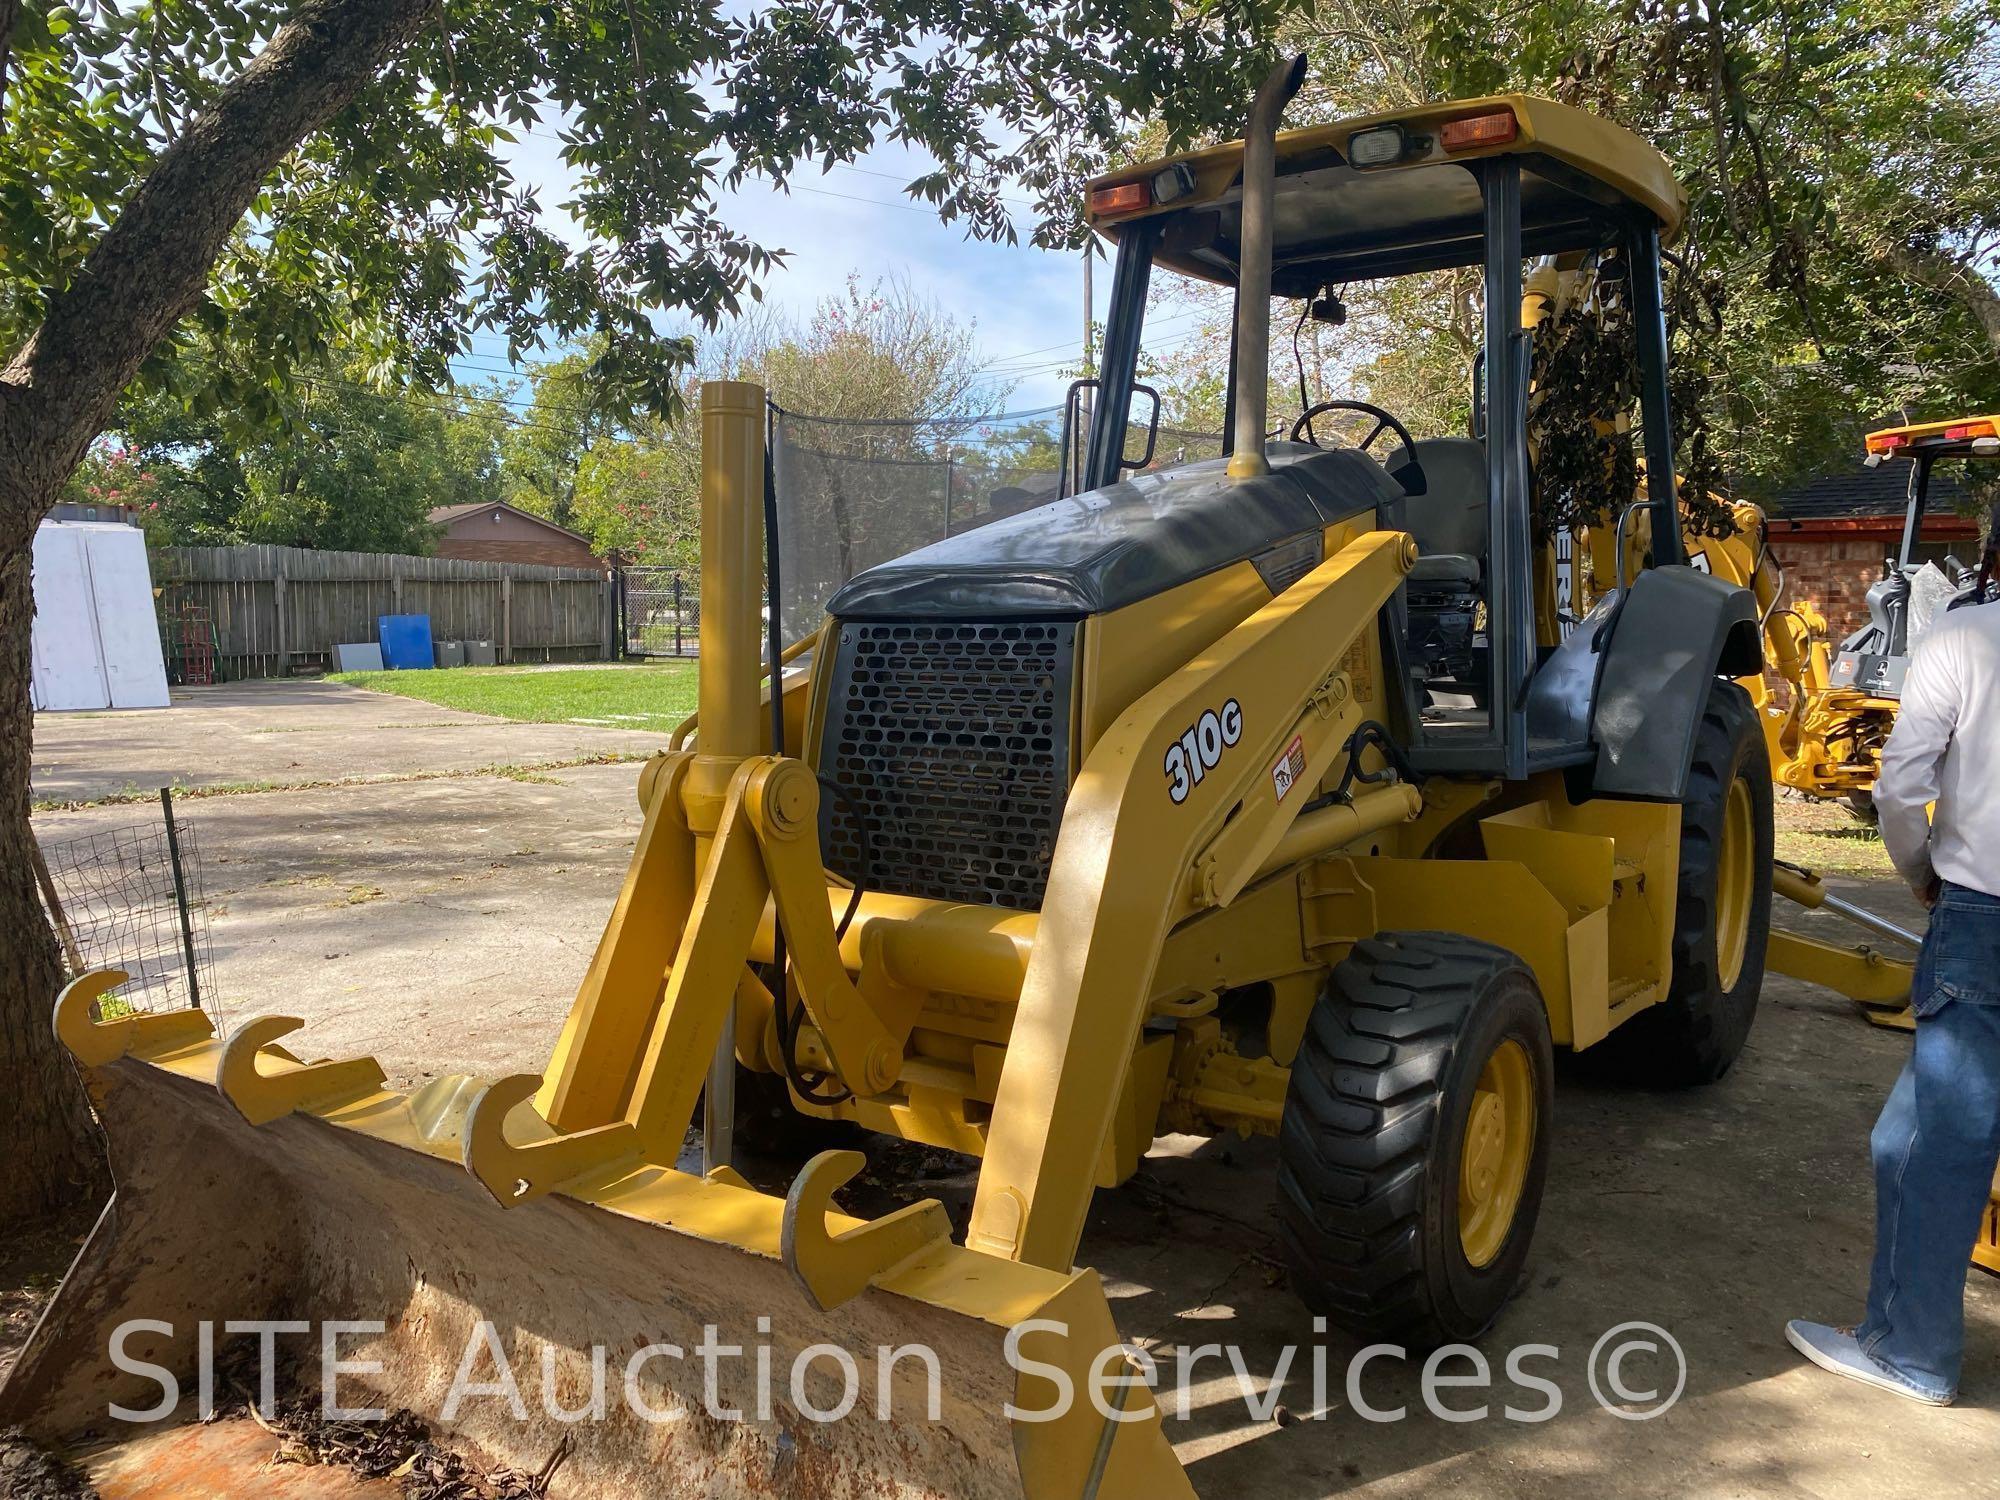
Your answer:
<point x="1580" y="177"/>
<point x="1956" y="437"/>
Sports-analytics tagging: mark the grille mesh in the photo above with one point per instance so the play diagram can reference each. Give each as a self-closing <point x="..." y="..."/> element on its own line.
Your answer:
<point x="951" y="742"/>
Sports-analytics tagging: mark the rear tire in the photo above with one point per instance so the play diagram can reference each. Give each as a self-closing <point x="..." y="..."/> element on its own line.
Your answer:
<point x="1388" y="1233"/>
<point x="1862" y="805"/>
<point x="1722" y="917"/>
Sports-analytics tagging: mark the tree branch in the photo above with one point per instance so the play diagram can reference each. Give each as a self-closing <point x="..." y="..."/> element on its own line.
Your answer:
<point x="150" y="267"/>
<point x="1943" y="273"/>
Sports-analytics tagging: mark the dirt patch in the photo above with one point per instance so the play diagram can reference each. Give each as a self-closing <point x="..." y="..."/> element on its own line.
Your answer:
<point x="130" y="794"/>
<point x="251" y="736"/>
<point x="442" y="926"/>
<point x="29" y="1473"/>
<point x="32" y="1262"/>
<point x="1828" y="837"/>
<point x="398" y="1448"/>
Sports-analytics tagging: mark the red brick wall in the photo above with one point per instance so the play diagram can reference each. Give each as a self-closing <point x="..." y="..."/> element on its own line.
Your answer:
<point x="499" y="534"/>
<point x="1833" y="574"/>
<point x="1830" y="564"/>
<point x="553" y="552"/>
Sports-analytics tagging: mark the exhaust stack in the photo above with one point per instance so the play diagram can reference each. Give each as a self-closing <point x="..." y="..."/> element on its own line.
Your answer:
<point x="1253" y="282"/>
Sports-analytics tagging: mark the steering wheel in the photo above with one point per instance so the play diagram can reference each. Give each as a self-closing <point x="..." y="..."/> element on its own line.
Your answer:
<point x="1410" y="476"/>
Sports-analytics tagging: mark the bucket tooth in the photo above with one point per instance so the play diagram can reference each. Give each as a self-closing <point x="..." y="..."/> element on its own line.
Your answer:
<point x="95" y="1043"/>
<point x="519" y="1173"/>
<point x="364" y="1214"/>
<point x="833" y="1268"/>
<point x="261" y="1097"/>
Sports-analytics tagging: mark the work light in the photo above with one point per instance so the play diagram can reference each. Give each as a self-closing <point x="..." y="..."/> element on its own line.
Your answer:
<point x="1376" y="147"/>
<point x="1171" y="183"/>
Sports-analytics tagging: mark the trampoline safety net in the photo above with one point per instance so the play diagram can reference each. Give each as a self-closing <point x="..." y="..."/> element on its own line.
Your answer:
<point x="853" y="492"/>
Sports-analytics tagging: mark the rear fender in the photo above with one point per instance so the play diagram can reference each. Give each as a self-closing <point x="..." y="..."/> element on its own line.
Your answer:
<point x="1673" y="633"/>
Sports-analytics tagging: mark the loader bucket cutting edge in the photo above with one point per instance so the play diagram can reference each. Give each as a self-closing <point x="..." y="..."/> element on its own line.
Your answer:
<point x="358" y="1210"/>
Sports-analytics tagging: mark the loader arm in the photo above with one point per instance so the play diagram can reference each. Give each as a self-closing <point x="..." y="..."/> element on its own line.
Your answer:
<point x="1153" y="829"/>
<point x="635" y="1051"/>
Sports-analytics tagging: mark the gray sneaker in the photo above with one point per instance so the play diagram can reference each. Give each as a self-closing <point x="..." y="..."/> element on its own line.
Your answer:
<point x="1837" y="1350"/>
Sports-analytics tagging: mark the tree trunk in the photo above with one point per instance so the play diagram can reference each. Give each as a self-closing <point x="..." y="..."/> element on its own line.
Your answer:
<point x="55" y="1159"/>
<point x="10" y="13"/>
<point x="56" y="393"/>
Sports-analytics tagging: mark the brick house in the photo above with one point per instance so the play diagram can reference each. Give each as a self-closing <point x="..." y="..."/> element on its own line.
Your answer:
<point x="1832" y="534"/>
<point x="498" y="532"/>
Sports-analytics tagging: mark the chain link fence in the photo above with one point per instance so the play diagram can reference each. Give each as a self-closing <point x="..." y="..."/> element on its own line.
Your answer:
<point x="131" y="898"/>
<point x="660" y="611"/>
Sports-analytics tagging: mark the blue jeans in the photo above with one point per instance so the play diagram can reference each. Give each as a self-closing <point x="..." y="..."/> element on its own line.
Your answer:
<point x="1935" y="1147"/>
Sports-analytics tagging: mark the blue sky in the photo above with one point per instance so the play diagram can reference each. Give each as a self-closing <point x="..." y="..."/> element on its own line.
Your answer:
<point x="1027" y="304"/>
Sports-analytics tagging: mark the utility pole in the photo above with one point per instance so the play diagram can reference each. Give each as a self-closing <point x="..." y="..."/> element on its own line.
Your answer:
<point x="1084" y="403"/>
<point x="1089" y="317"/>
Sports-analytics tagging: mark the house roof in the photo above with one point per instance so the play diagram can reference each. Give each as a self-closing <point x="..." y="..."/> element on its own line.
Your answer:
<point x="1859" y="493"/>
<point x="444" y="515"/>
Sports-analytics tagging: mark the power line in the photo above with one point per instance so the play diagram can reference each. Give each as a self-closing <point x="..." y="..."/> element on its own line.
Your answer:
<point x="1048" y="366"/>
<point x="912" y="208"/>
<point x="449" y="409"/>
<point x="844" y="166"/>
<point x="1005" y="361"/>
<point x="493" y="369"/>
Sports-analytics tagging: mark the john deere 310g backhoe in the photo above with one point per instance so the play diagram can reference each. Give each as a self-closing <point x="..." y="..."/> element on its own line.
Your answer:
<point x="1251" y="794"/>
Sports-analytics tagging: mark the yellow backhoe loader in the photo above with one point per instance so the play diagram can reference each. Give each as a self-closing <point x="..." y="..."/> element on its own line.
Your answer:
<point x="1245" y="795"/>
<point x="1828" y="743"/>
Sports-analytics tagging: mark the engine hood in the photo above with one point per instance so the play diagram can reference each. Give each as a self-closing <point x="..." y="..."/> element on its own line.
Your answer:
<point x="1111" y="547"/>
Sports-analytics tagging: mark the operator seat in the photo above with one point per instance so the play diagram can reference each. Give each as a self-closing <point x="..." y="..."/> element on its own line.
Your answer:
<point x="1449" y="519"/>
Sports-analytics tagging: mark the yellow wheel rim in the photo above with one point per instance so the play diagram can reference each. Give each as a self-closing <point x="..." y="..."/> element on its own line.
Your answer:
<point x="1493" y="1163"/>
<point x="1735" y="876"/>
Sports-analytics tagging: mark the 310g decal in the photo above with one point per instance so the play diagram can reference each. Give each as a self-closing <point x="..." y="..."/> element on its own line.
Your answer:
<point x="1195" y="753"/>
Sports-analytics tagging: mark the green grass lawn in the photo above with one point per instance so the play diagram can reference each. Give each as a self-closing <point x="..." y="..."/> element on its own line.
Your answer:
<point x="1825" y="836"/>
<point x="655" y="695"/>
<point x="658" y="695"/>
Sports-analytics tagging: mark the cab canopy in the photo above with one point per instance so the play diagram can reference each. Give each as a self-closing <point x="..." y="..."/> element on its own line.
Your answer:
<point x="1388" y="194"/>
<point x="1959" y="437"/>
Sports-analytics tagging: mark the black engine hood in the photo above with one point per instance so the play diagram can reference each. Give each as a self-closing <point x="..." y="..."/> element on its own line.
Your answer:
<point x="1129" y="541"/>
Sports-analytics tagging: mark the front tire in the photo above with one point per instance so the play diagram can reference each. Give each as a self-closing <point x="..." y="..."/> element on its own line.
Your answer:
<point x="1414" y="1142"/>
<point x="1722" y="914"/>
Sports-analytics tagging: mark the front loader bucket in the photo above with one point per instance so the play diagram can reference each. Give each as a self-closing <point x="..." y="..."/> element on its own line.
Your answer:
<point x="353" y="1206"/>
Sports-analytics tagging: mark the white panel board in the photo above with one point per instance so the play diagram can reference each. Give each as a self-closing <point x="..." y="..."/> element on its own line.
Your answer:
<point x="128" y="629"/>
<point x="68" y="666"/>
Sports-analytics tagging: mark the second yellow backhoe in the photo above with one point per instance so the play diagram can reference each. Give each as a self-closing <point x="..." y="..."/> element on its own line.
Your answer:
<point x="1827" y="741"/>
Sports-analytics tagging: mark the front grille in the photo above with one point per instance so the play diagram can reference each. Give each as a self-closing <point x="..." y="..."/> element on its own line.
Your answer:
<point x="950" y="743"/>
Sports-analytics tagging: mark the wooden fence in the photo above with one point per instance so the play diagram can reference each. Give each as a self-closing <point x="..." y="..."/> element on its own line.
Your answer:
<point x="276" y="608"/>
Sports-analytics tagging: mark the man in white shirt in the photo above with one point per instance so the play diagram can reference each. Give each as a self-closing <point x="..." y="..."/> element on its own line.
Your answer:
<point x="1938" y="1139"/>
